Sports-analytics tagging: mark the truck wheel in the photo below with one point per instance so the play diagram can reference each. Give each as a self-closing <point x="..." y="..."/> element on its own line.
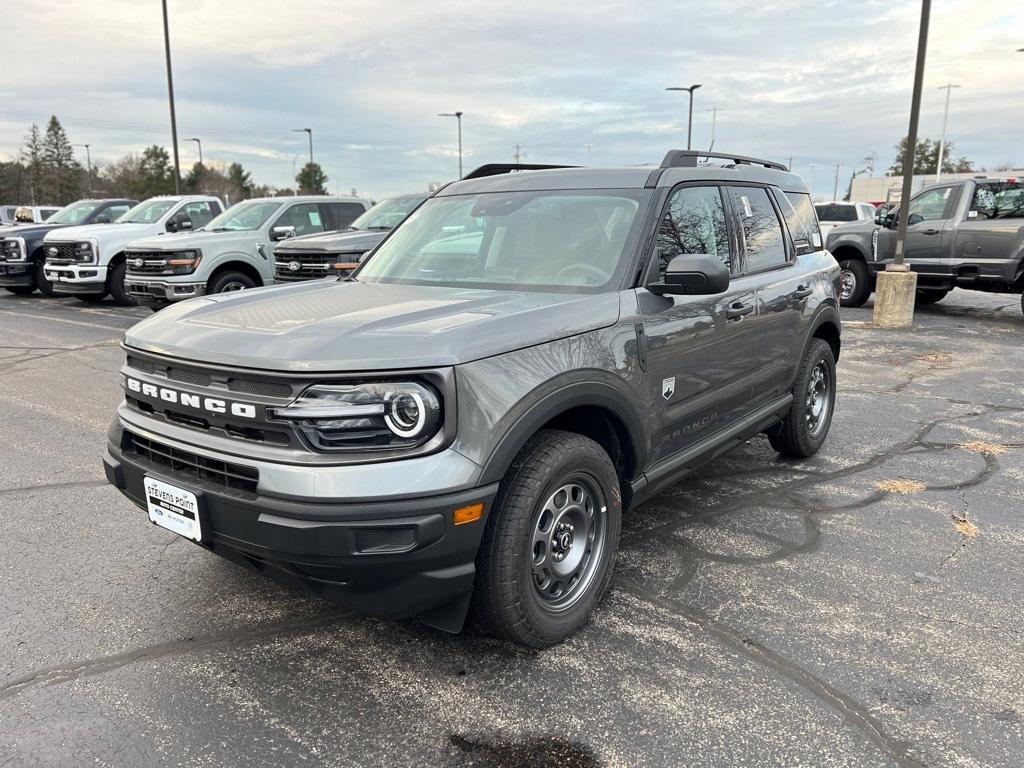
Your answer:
<point x="45" y="286"/>
<point x="855" y="285"/>
<point x="91" y="298"/>
<point x="115" y="283"/>
<point x="931" y="295"/>
<point x="21" y="290"/>
<point x="806" y="425"/>
<point x="230" y="281"/>
<point x="549" y="547"/>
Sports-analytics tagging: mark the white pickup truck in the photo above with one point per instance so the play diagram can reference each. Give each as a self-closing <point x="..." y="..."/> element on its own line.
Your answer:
<point x="88" y="262"/>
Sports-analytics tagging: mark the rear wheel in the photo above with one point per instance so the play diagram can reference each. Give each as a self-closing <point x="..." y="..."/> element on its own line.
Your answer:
<point x="855" y="285"/>
<point x="931" y="295"/>
<point x="116" y="286"/>
<point x="549" y="547"/>
<point x="230" y="281"/>
<point x="805" y="427"/>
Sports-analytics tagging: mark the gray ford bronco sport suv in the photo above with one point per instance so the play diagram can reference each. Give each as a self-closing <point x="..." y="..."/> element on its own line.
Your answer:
<point x="461" y="423"/>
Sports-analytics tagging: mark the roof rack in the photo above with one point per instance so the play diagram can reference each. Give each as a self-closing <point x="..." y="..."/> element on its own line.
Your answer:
<point x="496" y="169"/>
<point x="687" y="158"/>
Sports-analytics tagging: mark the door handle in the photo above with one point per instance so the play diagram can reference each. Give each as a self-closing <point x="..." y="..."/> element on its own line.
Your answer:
<point x="738" y="310"/>
<point x="929" y="231"/>
<point x="801" y="292"/>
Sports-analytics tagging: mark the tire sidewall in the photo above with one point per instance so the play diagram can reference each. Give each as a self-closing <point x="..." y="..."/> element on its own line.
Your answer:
<point x="817" y="352"/>
<point x="216" y="284"/>
<point x="43" y="285"/>
<point x="863" y="287"/>
<point x="116" y="286"/>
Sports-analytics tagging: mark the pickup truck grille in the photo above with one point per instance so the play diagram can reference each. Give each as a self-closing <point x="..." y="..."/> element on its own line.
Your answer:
<point x="308" y="265"/>
<point x="191" y="465"/>
<point x="65" y="253"/>
<point x="153" y="262"/>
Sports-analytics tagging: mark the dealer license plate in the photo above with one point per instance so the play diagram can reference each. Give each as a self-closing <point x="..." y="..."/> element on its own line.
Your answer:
<point x="173" y="508"/>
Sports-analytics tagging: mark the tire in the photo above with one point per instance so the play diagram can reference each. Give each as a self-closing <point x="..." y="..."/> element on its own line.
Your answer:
<point x="509" y="601"/>
<point x="44" y="286"/>
<point x="226" y="282"/>
<point x="798" y="436"/>
<point x="856" y="283"/>
<point x="931" y="295"/>
<point x="91" y="298"/>
<point x="20" y="290"/>
<point x="115" y="286"/>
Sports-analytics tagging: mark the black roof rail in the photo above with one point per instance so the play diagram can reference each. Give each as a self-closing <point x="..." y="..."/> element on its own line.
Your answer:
<point x="687" y="158"/>
<point x="496" y="169"/>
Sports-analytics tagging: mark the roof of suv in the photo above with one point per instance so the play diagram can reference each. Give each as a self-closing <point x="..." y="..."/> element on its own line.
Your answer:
<point x="678" y="166"/>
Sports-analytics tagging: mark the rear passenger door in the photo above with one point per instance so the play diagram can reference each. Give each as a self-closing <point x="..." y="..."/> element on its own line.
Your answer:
<point x="772" y="270"/>
<point x="701" y="350"/>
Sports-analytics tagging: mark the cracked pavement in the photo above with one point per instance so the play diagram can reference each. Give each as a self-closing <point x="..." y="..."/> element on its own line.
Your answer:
<point x="859" y="608"/>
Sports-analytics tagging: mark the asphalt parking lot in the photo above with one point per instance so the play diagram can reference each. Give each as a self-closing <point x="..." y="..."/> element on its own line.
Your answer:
<point x="859" y="608"/>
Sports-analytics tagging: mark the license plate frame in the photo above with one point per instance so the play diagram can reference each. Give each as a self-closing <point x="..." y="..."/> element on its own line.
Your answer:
<point x="174" y="508"/>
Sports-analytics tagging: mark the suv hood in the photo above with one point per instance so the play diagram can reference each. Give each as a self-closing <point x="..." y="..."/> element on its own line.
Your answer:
<point x="179" y="240"/>
<point x="353" y="326"/>
<point x="80" y="231"/>
<point x="333" y="242"/>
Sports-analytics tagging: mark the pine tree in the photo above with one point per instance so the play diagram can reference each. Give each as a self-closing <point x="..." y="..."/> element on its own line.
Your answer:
<point x="240" y="180"/>
<point x="62" y="175"/>
<point x="312" y="180"/>
<point x="155" y="173"/>
<point x="32" y="158"/>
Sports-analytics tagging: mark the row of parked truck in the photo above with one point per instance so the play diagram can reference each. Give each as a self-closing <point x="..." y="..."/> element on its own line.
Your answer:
<point x="171" y="248"/>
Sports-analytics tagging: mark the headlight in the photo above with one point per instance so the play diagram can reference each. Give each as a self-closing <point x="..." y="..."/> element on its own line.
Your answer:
<point x="380" y="415"/>
<point x="86" y="252"/>
<point x="184" y="263"/>
<point x="14" y="249"/>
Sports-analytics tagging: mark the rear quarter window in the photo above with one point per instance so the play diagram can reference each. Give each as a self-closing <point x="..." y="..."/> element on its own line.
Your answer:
<point x="806" y="216"/>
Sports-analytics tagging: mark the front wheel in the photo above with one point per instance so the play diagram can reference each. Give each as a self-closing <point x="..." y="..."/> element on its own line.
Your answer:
<point x="855" y="283"/>
<point x="549" y="546"/>
<point x="230" y="281"/>
<point x="118" y="291"/>
<point x="45" y="286"/>
<point x="803" y="431"/>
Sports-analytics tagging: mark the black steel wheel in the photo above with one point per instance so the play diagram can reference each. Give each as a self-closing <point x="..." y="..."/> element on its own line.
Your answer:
<point x="803" y="431"/>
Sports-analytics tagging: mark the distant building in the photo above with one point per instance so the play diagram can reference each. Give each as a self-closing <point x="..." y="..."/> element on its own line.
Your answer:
<point x="880" y="189"/>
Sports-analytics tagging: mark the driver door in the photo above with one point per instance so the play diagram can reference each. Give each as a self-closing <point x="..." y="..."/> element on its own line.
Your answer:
<point x="929" y="216"/>
<point x="701" y="350"/>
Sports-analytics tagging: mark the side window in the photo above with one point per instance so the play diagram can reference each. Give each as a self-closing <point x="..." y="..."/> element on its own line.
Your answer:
<point x="305" y="217"/>
<point x="799" y="230"/>
<point x="340" y="215"/>
<point x="694" y="223"/>
<point x="201" y="213"/>
<point x="930" y="205"/>
<point x="804" y="208"/>
<point x="1003" y="200"/>
<point x="115" y="212"/>
<point x="763" y="243"/>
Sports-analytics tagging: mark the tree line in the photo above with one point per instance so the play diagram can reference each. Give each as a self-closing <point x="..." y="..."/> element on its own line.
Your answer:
<point x="46" y="172"/>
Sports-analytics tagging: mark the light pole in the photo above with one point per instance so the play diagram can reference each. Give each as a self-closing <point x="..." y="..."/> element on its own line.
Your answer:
<point x="895" y="287"/>
<point x="88" y="164"/>
<point x="835" y="187"/>
<point x="170" y="98"/>
<point x="689" y="126"/>
<point x="714" y="119"/>
<point x="458" y="117"/>
<point x="948" y="87"/>
<point x="200" y="145"/>
<point x="310" y="132"/>
<point x="295" y="176"/>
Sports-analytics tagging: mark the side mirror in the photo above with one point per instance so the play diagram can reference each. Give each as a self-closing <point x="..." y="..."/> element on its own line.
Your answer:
<point x="693" y="275"/>
<point x="179" y="221"/>
<point x="914" y="218"/>
<point x="282" y="233"/>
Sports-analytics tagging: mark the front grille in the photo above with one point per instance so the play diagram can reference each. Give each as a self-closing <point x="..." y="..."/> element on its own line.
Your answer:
<point x="153" y="262"/>
<point x="311" y="264"/>
<point x="192" y="465"/>
<point x="264" y="388"/>
<point x="66" y="253"/>
<point x="177" y="373"/>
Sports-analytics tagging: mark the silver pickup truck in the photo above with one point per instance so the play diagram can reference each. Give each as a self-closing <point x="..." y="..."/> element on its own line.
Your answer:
<point x="960" y="234"/>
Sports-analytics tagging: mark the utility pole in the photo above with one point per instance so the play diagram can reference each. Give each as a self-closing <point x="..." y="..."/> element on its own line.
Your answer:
<point x="310" y="132"/>
<point x="88" y="165"/>
<point x="457" y="116"/>
<point x="835" y="187"/>
<point x="520" y="152"/>
<point x="588" y="147"/>
<point x="714" y="119"/>
<point x="295" y="176"/>
<point x="689" y="125"/>
<point x="895" y="287"/>
<point x="948" y="87"/>
<point x="170" y="97"/>
<point x="789" y="165"/>
<point x="870" y="161"/>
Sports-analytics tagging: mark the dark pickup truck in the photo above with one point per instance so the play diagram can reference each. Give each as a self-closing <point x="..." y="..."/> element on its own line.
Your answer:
<point x="960" y="234"/>
<point x="21" y="250"/>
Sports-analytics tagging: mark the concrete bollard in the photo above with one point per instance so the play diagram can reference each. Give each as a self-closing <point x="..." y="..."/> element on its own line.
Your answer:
<point x="895" y="290"/>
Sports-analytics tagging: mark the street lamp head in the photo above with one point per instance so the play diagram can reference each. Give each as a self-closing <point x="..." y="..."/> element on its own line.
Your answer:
<point x="302" y="130"/>
<point x="449" y="114"/>
<point x="689" y="89"/>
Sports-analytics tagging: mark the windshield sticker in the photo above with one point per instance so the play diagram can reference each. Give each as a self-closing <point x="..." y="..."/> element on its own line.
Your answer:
<point x="746" y="207"/>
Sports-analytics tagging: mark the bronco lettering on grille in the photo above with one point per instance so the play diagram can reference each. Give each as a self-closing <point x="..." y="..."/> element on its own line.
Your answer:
<point x="199" y="402"/>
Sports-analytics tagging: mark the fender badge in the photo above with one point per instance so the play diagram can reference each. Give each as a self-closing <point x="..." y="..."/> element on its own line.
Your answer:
<point x="668" y="387"/>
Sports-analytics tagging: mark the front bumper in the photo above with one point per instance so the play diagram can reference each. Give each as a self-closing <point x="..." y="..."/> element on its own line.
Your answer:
<point x="17" y="273"/>
<point x="149" y="291"/>
<point x="76" y="278"/>
<point x="392" y="558"/>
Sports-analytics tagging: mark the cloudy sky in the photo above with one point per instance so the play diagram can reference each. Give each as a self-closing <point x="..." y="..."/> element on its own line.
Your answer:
<point x="823" y="82"/>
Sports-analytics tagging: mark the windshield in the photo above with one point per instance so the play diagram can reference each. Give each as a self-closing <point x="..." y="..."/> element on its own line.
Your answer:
<point x="387" y="214"/>
<point x="244" y="217"/>
<point x="542" y="241"/>
<point x="7" y="213"/>
<point x="147" y="212"/>
<point x="74" y="213"/>
<point x="836" y="212"/>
